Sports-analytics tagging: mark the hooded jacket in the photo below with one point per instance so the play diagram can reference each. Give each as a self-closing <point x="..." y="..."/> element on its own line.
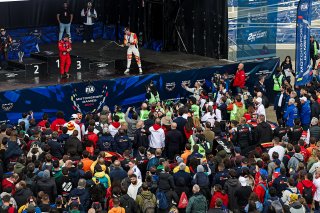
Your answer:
<point x="145" y="195"/>
<point x="297" y="207"/>
<point x="197" y="204"/>
<point x="263" y="133"/>
<point x="166" y="182"/>
<point x="84" y="196"/>
<point x="21" y="196"/>
<point x="230" y="187"/>
<point x="222" y="196"/>
<point x="101" y="175"/>
<point x="114" y="128"/>
<point x="291" y="114"/>
<point x="157" y="137"/>
<point x="48" y="186"/>
<point x="295" y="160"/>
<point x="305" y="113"/>
<point x="239" y="79"/>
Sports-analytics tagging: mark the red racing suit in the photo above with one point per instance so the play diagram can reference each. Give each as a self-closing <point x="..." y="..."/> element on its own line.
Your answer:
<point x="65" y="59"/>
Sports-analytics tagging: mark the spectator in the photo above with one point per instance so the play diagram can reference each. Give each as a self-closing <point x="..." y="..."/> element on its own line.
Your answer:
<point x="117" y="174"/>
<point x="197" y="202"/>
<point x="315" y="106"/>
<point x="9" y="183"/>
<point x="263" y="131"/>
<point x="134" y="187"/>
<point x="173" y="140"/>
<point x="242" y="193"/>
<point x="114" y="126"/>
<point x="296" y="159"/>
<point x="82" y="193"/>
<point x="146" y="200"/>
<point x="314" y="130"/>
<point x="116" y="207"/>
<point x="260" y="109"/>
<point x="230" y="187"/>
<point x="22" y="193"/>
<point x="47" y="185"/>
<point x="55" y="147"/>
<point x="157" y="136"/>
<point x="277" y="148"/>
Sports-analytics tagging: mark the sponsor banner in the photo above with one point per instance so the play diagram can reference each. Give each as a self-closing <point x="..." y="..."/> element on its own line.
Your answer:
<point x="91" y="96"/>
<point x="303" y="65"/>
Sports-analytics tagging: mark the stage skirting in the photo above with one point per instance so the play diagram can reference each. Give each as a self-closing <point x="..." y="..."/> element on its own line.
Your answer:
<point x="89" y="97"/>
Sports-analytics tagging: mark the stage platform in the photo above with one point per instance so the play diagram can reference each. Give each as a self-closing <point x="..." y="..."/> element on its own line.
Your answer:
<point x="94" y="61"/>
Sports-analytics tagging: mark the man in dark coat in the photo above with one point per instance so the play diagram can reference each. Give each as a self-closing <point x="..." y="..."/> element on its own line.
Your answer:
<point x="22" y="194"/>
<point x="47" y="185"/>
<point x="83" y="195"/>
<point x="73" y="144"/>
<point x="173" y="140"/>
<point x="56" y="149"/>
<point x="117" y="174"/>
<point x="263" y="131"/>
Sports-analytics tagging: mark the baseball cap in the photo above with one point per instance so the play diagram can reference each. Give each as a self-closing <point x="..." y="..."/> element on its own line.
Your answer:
<point x="243" y="181"/>
<point x="74" y="116"/>
<point x="259" y="100"/>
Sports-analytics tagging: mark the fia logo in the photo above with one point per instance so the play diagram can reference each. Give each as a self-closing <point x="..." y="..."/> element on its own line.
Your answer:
<point x="90" y="89"/>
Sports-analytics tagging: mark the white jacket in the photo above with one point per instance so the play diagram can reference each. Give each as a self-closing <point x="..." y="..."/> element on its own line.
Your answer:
<point x="156" y="138"/>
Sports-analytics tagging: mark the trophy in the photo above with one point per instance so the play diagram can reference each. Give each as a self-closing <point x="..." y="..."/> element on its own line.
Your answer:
<point x="20" y="55"/>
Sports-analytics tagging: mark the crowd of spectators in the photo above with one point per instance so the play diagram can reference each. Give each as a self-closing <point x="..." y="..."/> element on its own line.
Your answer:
<point x="206" y="154"/>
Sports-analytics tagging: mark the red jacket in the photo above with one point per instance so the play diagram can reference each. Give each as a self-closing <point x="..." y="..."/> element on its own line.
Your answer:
<point x="240" y="79"/>
<point x="8" y="184"/>
<point x="259" y="190"/>
<point x="57" y="124"/>
<point x="93" y="137"/>
<point x="63" y="46"/>
<point x="223" y="197"/>
<point x="308" y="184"/>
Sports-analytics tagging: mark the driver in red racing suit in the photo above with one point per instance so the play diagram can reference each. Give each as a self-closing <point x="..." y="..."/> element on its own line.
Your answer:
<point x="64" y="53"/>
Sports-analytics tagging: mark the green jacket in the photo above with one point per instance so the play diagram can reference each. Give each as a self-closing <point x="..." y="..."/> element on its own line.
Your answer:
<point x="197" y="204"/>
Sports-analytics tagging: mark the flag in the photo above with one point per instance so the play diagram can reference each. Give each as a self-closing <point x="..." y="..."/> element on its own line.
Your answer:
<point x="303" y="65"/>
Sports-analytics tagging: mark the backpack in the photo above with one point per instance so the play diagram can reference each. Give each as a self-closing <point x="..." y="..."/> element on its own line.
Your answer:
<point x="297" y="192"/>
<point x="98" y="192"/>
<point x="162" y="201"/>
<point x="307" y="194"/>
<point x="183" y="202"/>
<point x="103" y="181"/>
<point x="30" y="181"/>
<point x="147" y="205"/>
<point x="276" y="205"/>
<point x="266" y="194"/>
<point x="125" y="203"/>
<point x="276" y="173"/>
<point x="7" y="209"/>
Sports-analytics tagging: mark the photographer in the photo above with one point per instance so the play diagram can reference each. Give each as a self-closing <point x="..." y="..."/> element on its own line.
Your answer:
<point x="152" y="94"/>
<point x="196" y="90"/>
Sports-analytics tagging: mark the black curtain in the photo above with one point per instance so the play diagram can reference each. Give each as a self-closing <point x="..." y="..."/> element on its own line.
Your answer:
<point x="203" y="27"/>
<point x="35" y="13"/>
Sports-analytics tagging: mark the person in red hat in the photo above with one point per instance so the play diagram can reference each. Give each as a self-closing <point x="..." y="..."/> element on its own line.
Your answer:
<point x="64" y="54"/>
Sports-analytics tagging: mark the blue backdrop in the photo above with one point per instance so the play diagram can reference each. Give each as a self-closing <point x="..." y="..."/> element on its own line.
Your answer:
<point x="91" y="96"/>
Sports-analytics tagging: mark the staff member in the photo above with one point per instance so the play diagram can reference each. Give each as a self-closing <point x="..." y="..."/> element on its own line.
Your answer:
<point x="89" y="15"/>
<point x="314" y="48"/>
<point x="239" y="79"/>
<point x="64" y="17"/>
<point x="5" y="42"/>
<point x="64" y="53"/>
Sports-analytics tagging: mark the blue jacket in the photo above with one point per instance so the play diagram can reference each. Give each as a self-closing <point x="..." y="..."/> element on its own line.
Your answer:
<point x="121" y="143"/>
<point x="290" y="115"/>
<point x="305" y="114"/>
<point x="105" y="143"/>
<point x="84" y="196"/>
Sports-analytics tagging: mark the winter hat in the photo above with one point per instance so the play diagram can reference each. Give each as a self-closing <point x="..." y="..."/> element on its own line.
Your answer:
<point x="259" y="100"/>
<point x="40" y="174"/>
<point x="200" y="168"/>
<point x="293" y="197"/>
<point x="243" y="181"/>
<point x="237" y="150"/>
<point x="46" y="174"/>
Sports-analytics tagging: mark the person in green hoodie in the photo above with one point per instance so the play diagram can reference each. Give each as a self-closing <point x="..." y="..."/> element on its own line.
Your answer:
<point x="198" y="202"/>
<point x="146" y="200"/>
